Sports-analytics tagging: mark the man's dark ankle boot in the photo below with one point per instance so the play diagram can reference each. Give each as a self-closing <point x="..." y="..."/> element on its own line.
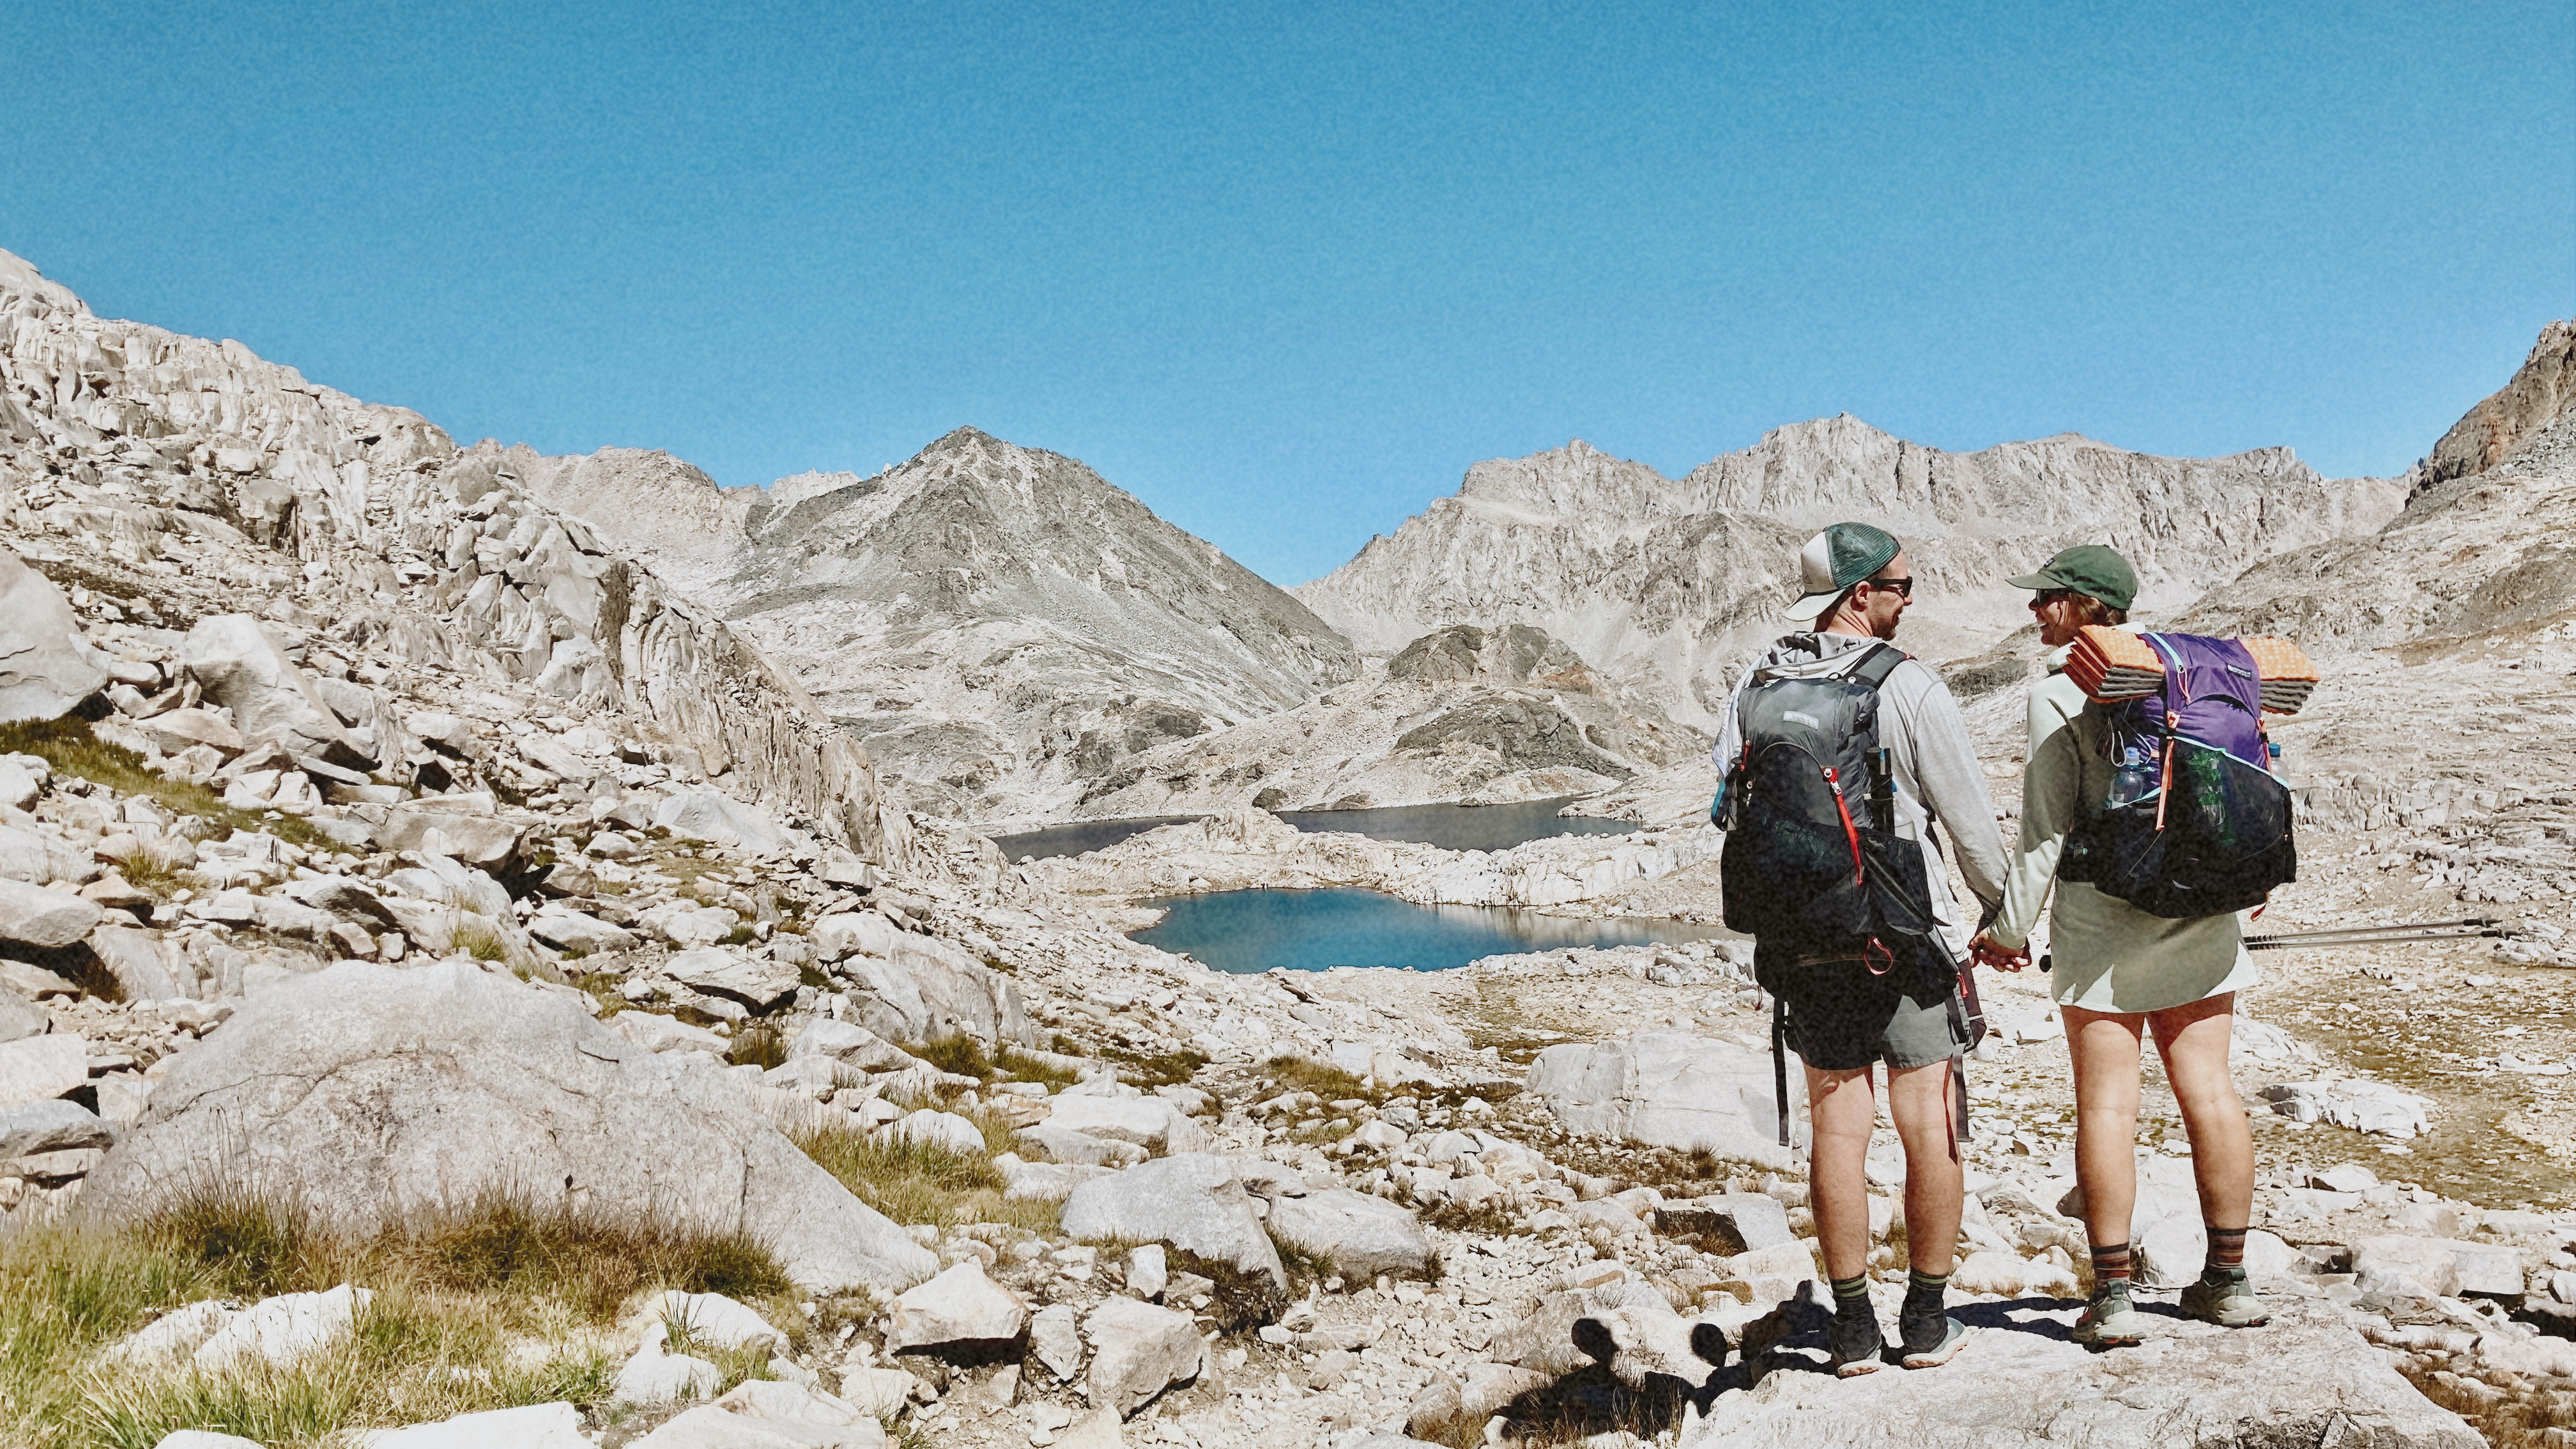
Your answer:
<point x="1858" y="1346"/>
<point x="1854" y="1339"/>
<point x="1928" y="1336"/>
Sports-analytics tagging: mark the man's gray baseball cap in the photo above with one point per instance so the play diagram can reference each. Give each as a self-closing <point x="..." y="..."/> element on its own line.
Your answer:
<point x="1836" y="559"/>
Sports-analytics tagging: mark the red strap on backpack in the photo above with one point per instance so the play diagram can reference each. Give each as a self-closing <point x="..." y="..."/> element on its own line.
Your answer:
<point x="1851" y="832"/>
<point x="1875" y="955"/>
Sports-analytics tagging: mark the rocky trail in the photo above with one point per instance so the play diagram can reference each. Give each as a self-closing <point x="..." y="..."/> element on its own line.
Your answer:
<point x="456" y="989"/>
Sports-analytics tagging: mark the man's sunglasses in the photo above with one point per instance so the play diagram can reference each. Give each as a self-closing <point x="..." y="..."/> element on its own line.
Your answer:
<point x="1904" y="586"/>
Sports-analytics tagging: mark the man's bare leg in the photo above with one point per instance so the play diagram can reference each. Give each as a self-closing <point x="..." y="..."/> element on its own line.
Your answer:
<point x="1926" y="1114"/>
<point x="1842" y="1109"/>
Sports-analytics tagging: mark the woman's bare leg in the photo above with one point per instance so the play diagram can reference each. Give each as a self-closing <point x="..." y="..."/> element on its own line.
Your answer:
<point x="2104" y="1046"/>
<point x="2193" y="1040"/>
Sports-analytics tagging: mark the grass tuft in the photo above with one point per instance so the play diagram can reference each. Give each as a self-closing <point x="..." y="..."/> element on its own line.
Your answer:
<point x="593" y="1262"/>
<point x="1488" y="1216"/>
<point x="247" y="1243"/>
<point x="1305" y="1265"/>
<point x="759" y="1045"/>
<point x="1305" y="1074"/>
<point x="960" y="1054"/>
<point x="479" y="938"/>
<point x="1030" y="1069"/>
<point x="1156" y="1069"/>
<point x="1241" y="1301"/>
<point x="602" y="988"/>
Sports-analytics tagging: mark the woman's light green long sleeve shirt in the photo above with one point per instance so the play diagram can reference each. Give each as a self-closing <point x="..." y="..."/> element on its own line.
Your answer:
<point x="2110" y="956"/>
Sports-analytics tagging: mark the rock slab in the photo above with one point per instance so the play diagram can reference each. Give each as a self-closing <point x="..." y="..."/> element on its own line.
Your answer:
<point x="532" y="1426"/>
<point x="1191" y="1202"/>
<point x="31" y="915"/>
<point x="372" y="1090"/>
<point x="2303" y="1379"/>
<point x="46" y="665"/>
<point x="765" y="1414"/>
<point x="1137" y="1351"/>
<point x="961" y="1305"/>
<point x="41" y="1068"/>
<point x="1362" y="1235"/>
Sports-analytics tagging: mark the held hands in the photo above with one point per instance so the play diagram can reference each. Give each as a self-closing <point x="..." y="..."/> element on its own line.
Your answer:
<point x="1989" y="952"/>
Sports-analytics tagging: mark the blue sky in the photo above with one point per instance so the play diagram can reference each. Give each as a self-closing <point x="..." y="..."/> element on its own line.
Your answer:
<point x="1284" y="272"/>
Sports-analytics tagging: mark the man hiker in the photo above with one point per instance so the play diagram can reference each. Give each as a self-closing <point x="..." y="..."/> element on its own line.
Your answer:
<point x="1835" y="737"/>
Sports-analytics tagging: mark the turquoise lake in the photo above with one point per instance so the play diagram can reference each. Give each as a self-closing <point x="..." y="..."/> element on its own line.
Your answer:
<point x="1250" y="931"/>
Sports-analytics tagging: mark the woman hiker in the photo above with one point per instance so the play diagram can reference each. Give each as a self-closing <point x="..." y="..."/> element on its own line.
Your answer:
<point x="2120" y="971"/>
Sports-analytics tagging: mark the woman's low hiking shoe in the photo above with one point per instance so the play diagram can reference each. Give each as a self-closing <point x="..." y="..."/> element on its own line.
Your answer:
<point x="1857" y="1345"/>
<point x="2109" y="1322"/>
<point x="1930" y="1340"/>
<point x="2229" y="1303"/>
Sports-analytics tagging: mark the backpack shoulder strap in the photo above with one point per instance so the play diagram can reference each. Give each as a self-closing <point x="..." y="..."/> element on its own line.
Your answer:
<point x="1877" y="665"/>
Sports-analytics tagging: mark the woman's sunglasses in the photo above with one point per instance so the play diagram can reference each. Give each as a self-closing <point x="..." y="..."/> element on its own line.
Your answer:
<point x="2046" y="597"/>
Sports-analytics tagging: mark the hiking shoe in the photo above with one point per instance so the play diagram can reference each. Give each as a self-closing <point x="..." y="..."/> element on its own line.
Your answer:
<point x="1930" y="1340"/>
<point x="2110" y="1322"/>
<point x="1858" y="1347"/>
<point x="2229" y="1303"/>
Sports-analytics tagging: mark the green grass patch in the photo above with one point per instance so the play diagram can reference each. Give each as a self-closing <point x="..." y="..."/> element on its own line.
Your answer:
<point x="914" y="1182"/>
<point x="410" y="1357"/>
<point x="590" y="1261"/>
<point x="489" y="1305"/>
<point x="71" y="748"/>
<point x="249" y="1244"/>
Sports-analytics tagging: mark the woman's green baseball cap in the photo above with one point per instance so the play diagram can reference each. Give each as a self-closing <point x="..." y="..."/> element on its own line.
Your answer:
<point x="2094" y="570"/>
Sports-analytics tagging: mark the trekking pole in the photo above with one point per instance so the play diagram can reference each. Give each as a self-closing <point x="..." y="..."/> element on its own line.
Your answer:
<point x="2471" y="929"/>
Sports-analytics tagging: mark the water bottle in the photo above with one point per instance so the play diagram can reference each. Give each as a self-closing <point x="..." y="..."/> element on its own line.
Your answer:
<point x="2280" y="771"/>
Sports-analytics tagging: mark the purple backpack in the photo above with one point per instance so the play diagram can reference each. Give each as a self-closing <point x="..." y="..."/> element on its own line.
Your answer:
<point x="2195" y="823"/>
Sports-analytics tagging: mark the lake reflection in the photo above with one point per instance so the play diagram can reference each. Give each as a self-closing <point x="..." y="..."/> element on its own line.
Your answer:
<point x="1249" y="931"/>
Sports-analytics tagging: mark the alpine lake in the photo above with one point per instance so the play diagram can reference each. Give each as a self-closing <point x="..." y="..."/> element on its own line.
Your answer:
<point x="1250" y="931"/>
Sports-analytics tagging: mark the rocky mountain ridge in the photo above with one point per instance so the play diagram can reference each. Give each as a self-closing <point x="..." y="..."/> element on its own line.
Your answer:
<point x="1001" y="626"/>
<point x="1667" y="584"/>
<point x="1477" y="716"/>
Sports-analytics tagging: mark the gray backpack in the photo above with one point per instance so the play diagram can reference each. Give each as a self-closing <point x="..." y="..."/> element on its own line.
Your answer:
<point x="1812" y="859"/>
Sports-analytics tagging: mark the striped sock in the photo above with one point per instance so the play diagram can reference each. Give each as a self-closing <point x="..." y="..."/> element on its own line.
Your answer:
<point x="2111" y="1270"/>
<point x="1851" y="1296"/>
<point x="1923" y="1291"/>
<point x="2226" y="1261"/>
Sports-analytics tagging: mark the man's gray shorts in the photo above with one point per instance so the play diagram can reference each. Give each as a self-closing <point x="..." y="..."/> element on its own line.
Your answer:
<point x="1840" y="1018"/>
